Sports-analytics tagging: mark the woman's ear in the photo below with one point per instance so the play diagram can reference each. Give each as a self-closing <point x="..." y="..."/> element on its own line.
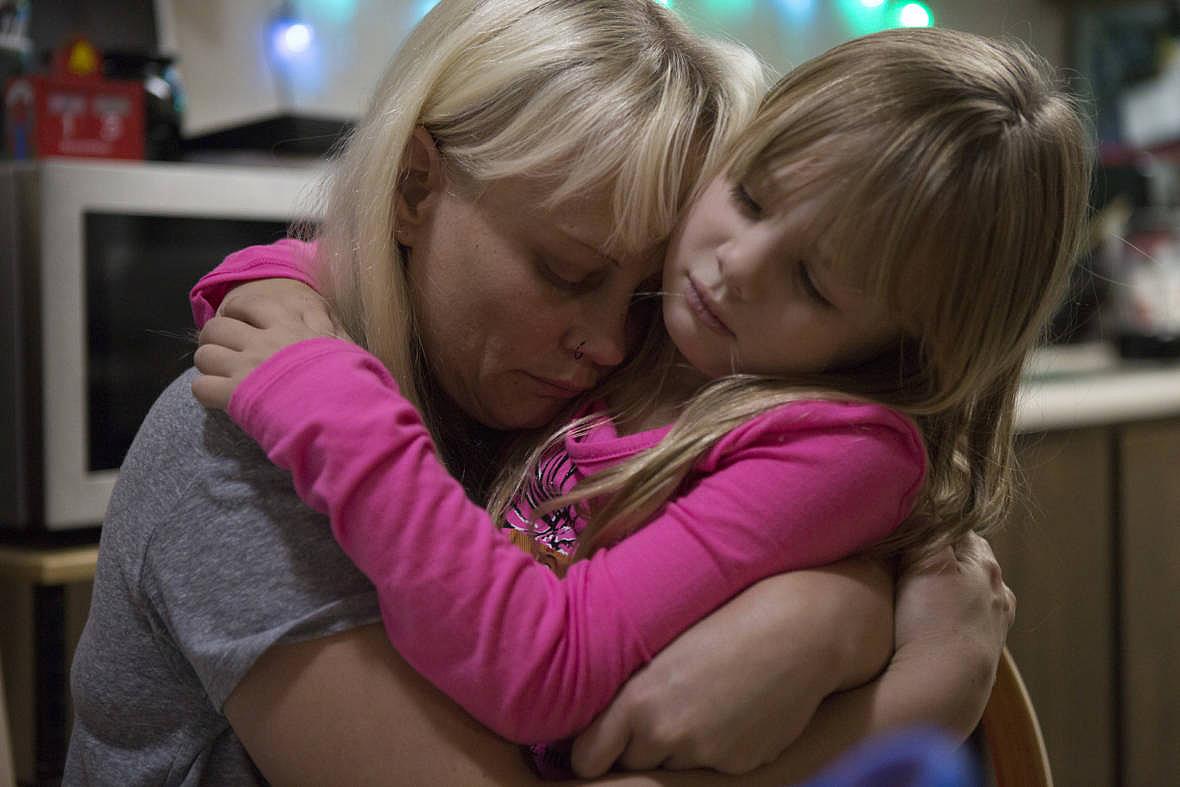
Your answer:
<point x="418" y="187"/>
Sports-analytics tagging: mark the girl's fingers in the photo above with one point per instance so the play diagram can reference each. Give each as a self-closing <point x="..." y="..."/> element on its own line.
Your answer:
<point x="217" y="361"/>
<point x="227" y="332"/>
<point x="213" y="392"/>
<point x="255" y="311"/>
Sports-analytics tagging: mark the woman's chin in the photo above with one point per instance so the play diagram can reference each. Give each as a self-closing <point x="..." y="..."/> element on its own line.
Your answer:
<point x="522" y="415"/>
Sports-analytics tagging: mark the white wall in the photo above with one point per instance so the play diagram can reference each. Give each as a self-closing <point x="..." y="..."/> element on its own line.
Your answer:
<point x="229" y="79"/>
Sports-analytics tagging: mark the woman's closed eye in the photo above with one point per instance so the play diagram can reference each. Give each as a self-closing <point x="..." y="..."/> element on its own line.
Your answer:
<point x="569" y="279"/>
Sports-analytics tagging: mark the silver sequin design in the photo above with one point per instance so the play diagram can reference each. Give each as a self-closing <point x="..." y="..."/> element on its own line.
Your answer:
<point x="553" y="475"/>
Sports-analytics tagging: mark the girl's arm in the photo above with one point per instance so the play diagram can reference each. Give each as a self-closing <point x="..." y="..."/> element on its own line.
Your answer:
<point x="776" y="676"/>
<point x="285" y="259"/>
<point x="690" y="703"/>
<point x="533" y="657"/>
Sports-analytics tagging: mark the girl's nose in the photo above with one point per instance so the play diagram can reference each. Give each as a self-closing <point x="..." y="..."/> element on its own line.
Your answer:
<point x="742" y="263"/>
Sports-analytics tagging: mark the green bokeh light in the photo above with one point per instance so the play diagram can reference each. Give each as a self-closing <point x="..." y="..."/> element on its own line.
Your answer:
<point x="861" y="19"/>
<point x="729" y="9"/>
<point x="915" y="15"/>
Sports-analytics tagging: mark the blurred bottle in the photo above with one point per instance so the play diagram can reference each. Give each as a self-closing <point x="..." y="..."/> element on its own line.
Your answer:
<point x="1147" y="291"/>
<point x="163" y="98"/>
<point x="15" y="49"/>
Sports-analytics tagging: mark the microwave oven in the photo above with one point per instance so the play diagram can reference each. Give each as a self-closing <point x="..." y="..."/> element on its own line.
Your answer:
<point x="96" y="260"/>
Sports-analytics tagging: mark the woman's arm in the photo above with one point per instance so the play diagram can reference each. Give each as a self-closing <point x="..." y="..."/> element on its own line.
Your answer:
<point x="698" y="702"/>
<point x="347" y="709"/>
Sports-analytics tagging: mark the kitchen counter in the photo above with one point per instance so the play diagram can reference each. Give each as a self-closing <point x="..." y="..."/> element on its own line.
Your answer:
<point x="1071" y="387"/>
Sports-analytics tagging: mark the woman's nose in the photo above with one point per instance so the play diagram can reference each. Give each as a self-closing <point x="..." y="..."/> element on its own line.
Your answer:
<point x="602" y="339"/>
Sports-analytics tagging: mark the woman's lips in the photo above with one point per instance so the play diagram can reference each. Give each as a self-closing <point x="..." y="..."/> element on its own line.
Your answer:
<point x="699" y="304"/>
<point x="558" y="389"/>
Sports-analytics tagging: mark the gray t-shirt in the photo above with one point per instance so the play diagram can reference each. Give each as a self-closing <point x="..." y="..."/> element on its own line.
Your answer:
<point x="207" y="560"/>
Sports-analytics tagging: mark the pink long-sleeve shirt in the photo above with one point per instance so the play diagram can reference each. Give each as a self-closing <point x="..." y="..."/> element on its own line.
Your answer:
<point x="532" y="656"/>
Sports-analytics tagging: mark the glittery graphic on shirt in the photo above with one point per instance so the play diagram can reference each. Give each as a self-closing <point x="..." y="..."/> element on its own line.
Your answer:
<point x="554" y="475"/>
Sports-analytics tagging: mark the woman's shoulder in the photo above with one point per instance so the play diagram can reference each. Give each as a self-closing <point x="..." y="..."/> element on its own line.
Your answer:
<point x="212" y="541"/>
<point x="194" y="489"/>
<point x="179" y="446"/>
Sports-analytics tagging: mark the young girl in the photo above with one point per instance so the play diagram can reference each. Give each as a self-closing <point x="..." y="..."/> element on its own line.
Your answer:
<point x="848" y="301"/>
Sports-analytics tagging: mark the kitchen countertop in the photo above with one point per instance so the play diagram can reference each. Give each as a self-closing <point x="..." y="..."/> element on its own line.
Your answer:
<point x="1075" y="386"/>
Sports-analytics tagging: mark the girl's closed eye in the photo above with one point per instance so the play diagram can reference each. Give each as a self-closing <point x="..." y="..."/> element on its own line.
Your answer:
<point x="746" y="203"/>
<point x="810" y="288"/>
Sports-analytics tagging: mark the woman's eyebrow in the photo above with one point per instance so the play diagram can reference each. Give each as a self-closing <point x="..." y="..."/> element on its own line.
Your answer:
<point x="597" y="252"/>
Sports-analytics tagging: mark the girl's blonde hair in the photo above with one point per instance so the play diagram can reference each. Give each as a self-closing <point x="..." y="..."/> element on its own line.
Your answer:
<point x="952" y="172"/>
<point x="579" y="94"/>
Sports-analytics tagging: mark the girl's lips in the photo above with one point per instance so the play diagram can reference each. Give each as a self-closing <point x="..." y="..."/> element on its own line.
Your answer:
<point x="700" y="306"/>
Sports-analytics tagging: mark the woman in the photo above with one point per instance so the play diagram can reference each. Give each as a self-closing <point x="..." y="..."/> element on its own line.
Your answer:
<point x="229" y="640"/>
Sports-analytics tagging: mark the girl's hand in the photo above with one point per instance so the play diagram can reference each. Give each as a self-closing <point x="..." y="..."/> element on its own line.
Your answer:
<point x="253" y="323"/>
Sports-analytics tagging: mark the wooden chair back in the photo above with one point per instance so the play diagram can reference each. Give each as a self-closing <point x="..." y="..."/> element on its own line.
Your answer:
<point x="7" y="772"/>
<point x="1015" y="747"/>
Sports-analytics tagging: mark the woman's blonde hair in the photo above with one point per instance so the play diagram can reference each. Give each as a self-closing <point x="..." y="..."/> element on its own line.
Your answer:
<point x="579" y="94"/>
<point x="952" y="173"/>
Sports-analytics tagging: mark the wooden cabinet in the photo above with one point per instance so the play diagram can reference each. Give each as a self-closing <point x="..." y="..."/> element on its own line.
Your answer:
<point x="1149" y="565"/>
<point x="44" y="601"/>
<point x="1056" y="556"/>
<point x="1093" y="554"/>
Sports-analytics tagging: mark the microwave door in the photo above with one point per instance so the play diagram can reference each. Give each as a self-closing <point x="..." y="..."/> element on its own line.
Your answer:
<point x="128" y="243"/>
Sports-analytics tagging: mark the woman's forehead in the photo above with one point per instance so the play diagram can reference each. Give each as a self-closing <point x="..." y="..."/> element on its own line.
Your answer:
<point x="584" y="223"/>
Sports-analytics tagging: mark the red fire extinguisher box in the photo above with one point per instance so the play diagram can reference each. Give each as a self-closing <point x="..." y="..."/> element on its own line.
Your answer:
<point x="74" y="112"/>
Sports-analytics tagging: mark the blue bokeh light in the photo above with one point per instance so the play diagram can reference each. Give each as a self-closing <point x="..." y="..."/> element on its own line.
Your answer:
<point x="292" y="37"/>
<point x="337" y="11"/>
<point x="422" y="8"/>
<point x="797" y="7"/>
